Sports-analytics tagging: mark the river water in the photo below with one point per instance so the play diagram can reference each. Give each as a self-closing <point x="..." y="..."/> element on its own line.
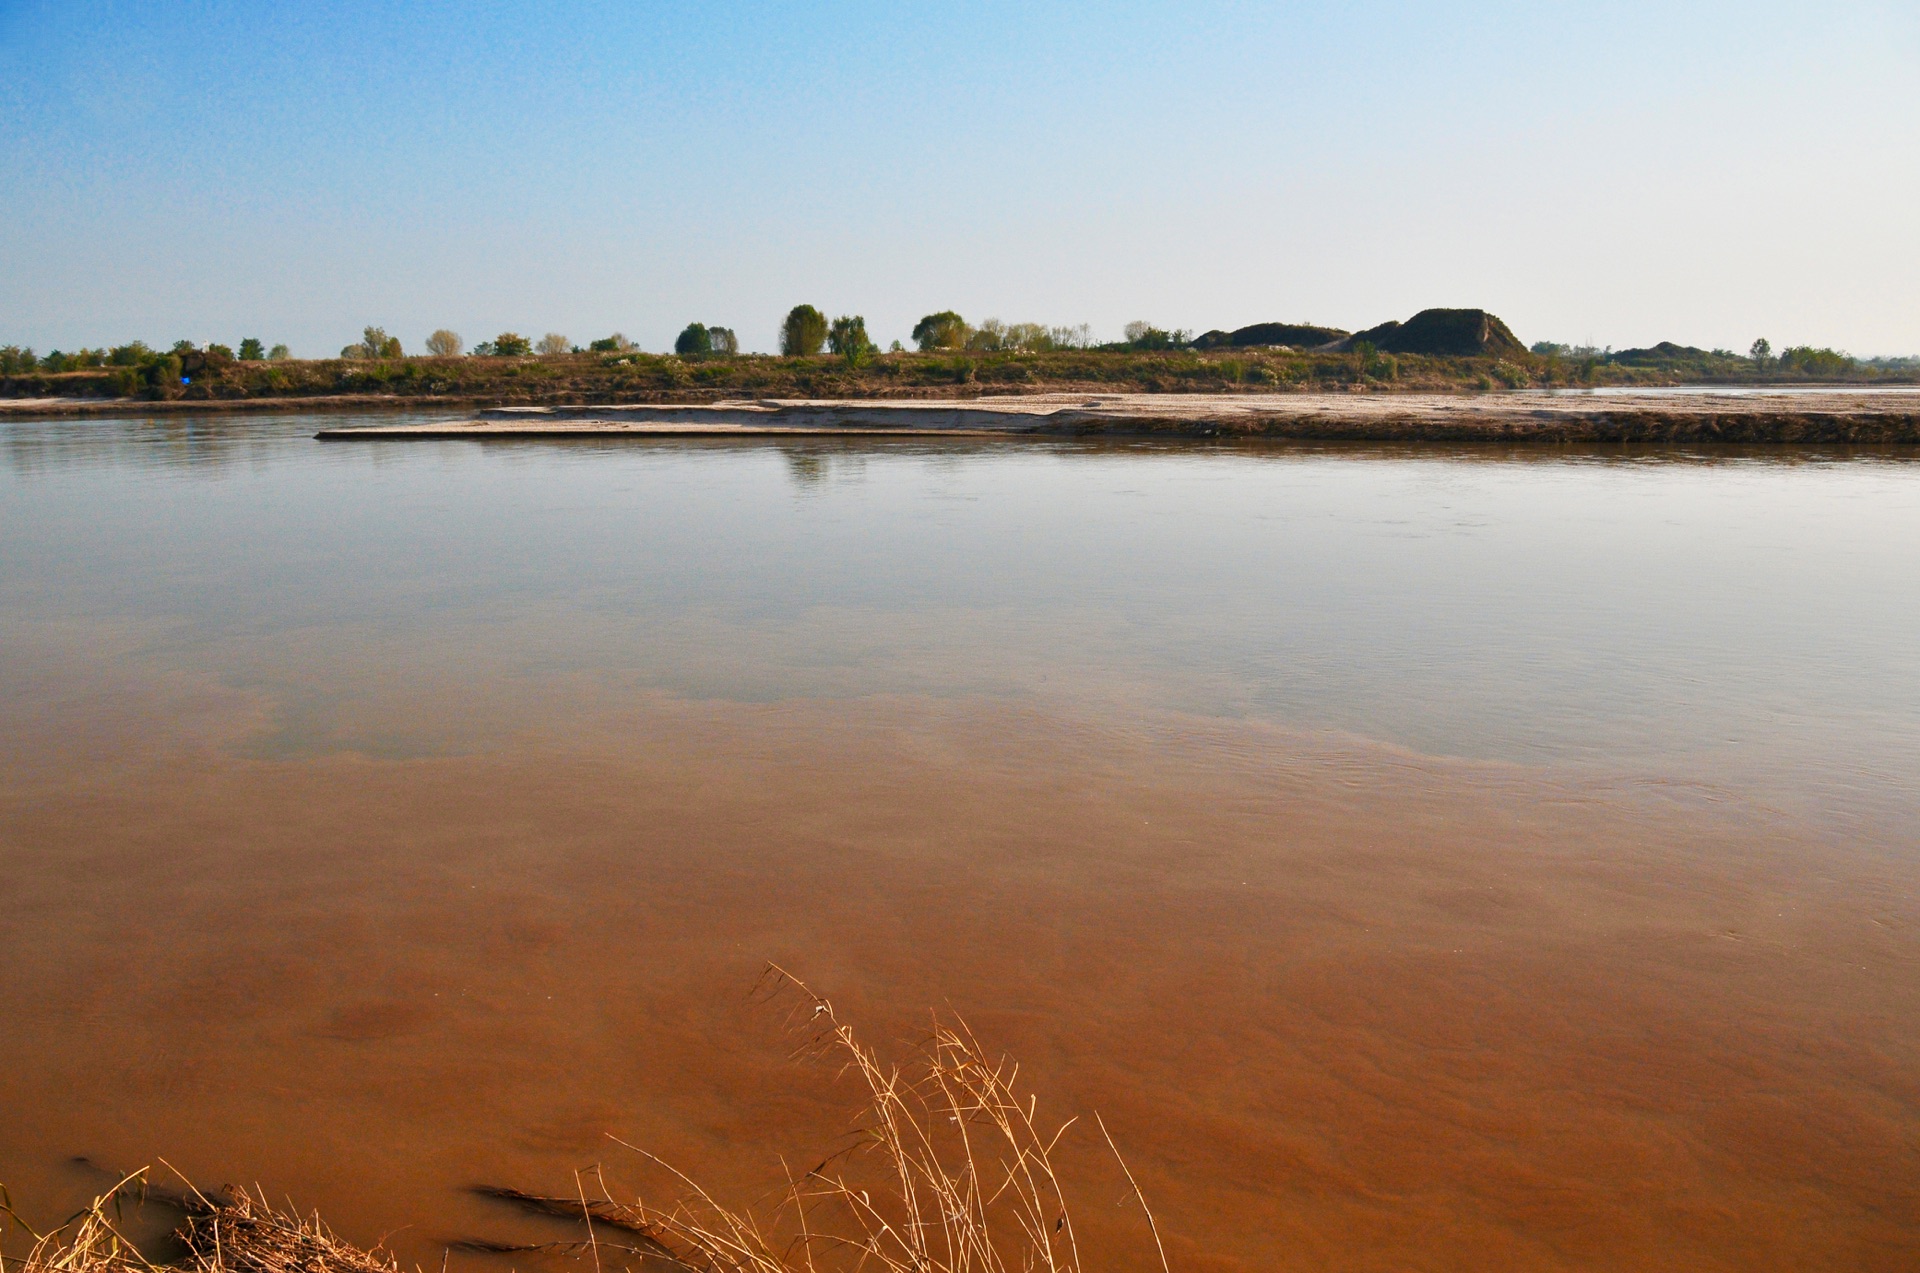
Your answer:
<point x="1421" y="858"/>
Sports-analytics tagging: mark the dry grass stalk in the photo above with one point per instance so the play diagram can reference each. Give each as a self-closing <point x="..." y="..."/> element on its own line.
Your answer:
<point x="233" y="1232"/>
<point x="952" y="1172"/>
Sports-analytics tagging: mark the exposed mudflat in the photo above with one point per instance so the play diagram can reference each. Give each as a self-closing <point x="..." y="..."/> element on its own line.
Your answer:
<point x="1847" y="415"/>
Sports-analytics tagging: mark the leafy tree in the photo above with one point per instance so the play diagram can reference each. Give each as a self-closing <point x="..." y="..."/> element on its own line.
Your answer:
<point x="696" y="339"/>
<point x="445" y="344"/>
<point x="131" y="354"/>
<point x="552" y="343"/>
<point x="1761" y="351"/>
<point x="14" y="360"/>
<point x="804" y="333"/>
<point x="251" y="350"/>
<point x="944" y="330"/>
<point x="511" y="345"/>
<point x="614" y="344"/>
<point x="848" y="338"/>
<point x="279" y="353"/>
<point x="373" y="343"/>
<point x="724" y="341"/>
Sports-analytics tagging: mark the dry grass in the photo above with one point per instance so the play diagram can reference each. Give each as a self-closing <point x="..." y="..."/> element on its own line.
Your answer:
<point x="230" y="1232"/>
<point x="950" y="1170"/>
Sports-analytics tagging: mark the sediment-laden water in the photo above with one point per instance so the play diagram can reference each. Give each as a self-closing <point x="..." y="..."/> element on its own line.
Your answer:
<point x="1422" y="858"/>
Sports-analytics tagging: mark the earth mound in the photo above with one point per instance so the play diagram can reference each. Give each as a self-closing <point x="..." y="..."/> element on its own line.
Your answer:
<point x="1452" y="333"/>
<point x="1665" y="351"/>
<point x="1298" y="335"/>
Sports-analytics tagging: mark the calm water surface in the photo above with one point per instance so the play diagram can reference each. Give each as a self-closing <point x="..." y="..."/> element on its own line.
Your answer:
<point x="1444" y="858"/>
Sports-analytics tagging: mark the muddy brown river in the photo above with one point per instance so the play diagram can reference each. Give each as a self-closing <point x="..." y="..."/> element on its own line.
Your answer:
<point x="1454" y="858"/>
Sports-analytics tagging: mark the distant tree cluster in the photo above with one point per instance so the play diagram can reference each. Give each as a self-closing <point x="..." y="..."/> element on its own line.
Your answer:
<point x="946" y="330"/>
<point x="17" y="360"/>
<point x="505" y="345"/>
<point x="374" y="343"/>
<point x="698" y="338"/>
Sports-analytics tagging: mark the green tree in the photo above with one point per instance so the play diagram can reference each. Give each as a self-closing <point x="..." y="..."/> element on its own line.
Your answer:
<point x="445" y="344"/>
<point x="724" y="341"/>
<point x="696" y="339"/>
<point x="251" y="350"/>
<point x="279" y="353"/>
<point x="848" y="338"/>
<point x="614" y="344"/>
<point x="804" y="333"/>
<point x="373" y="343"/>
<point x="511" y="345"/>
<point x="944" y="330"/>
<point x="1761" y="352"/>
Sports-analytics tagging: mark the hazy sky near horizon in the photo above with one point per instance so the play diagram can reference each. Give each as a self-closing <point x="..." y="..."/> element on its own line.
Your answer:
<point x="1620" y="173"/>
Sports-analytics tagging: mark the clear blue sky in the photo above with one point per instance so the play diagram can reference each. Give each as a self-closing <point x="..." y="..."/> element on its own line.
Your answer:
<point x="1621" y="173"/>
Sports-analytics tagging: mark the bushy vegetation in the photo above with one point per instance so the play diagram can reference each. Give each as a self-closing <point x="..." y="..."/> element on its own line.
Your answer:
<point x="804" y="332"/>
<point x="373" y="343"/>
<point x="505" y="345"/>
<point x="848" y="338"/>
<point x="948" y="330"/>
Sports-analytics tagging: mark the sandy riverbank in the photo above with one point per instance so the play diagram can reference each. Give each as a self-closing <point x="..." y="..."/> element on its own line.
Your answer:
<point x="1851" y="415"/>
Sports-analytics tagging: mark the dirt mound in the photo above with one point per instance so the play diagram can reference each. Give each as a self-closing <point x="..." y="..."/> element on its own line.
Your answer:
<point x="1298" y="335"/>
<point x="1453" y="333"/>
<point x="1665" y="351"/>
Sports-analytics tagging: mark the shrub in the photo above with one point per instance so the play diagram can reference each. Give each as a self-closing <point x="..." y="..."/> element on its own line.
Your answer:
<point x="614" y="344"/>
<point x="1808" y="361"/>
<point x="804" y="333"/>
<point x="1509" y="375"/>
<point x="510" y="345"/>
<point x="445" y="344"/>
<point x="695" y="339"/>
<point x="218" y="355"/>
<point x="251" y="350"/>
<point x="848" y="338"/>
<point x="944" y="330"/>
<point x="552" y="343"/>
<point x="279" y="353"/>
<point x="163" y="374"/>
<point x="130" y="355"/>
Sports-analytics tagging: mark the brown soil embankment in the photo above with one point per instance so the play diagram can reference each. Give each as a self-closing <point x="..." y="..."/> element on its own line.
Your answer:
<point x="1847" y="416"/>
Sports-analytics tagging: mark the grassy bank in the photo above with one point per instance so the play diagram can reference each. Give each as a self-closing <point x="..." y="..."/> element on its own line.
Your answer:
<point x="636" y="377"/>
